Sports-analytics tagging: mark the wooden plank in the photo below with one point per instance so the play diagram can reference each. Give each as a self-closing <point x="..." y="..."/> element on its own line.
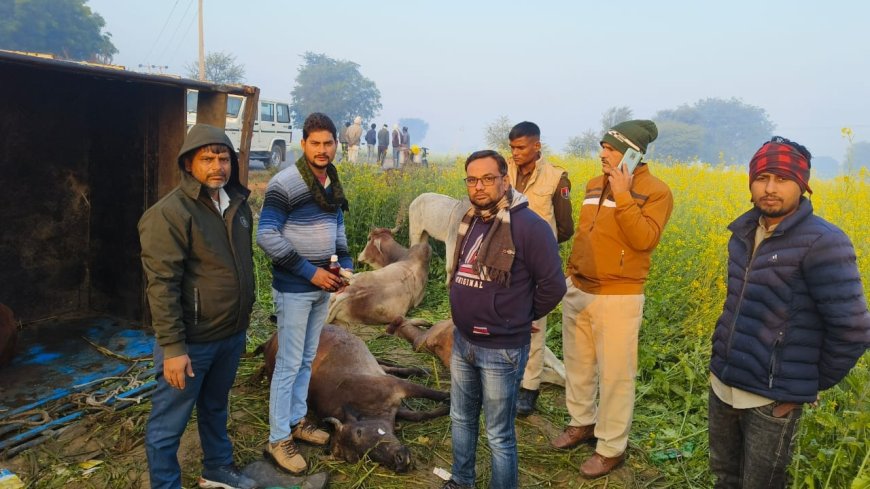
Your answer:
<point x="252" y="105"/>
<point x="211" y="108"/>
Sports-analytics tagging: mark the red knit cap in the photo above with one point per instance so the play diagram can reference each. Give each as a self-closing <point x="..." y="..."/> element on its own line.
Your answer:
<point x="783" y="160"/>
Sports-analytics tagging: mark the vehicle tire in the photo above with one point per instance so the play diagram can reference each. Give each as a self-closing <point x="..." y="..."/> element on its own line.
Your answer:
<point x="276" y="156"/>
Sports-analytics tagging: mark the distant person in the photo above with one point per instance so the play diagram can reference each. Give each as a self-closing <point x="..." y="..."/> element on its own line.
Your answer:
<point x="397" y="145"/>
<point x="621" y="222"/>
<point x="353" y="135"/>
<point x="371" y="139"/>
<point x="508" y="273"/>
<point x="406" y="144"/>
<point x="548" y="189"/>
<point x="794" y="322"/>
<point x="342" y="139"/>
<point x="383" y="144"/>
<point x="301" y="227"/>
<point x="198" y="261"/>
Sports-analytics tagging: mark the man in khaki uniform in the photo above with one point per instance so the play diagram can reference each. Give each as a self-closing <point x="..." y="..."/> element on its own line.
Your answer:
<point x="548" y="190"/>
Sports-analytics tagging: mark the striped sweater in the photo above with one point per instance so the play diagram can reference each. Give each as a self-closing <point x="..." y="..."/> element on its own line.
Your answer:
<point x="297" y="235"/>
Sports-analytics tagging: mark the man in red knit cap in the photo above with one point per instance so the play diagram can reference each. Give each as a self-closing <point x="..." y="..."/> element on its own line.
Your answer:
<point x="795" y="322"/>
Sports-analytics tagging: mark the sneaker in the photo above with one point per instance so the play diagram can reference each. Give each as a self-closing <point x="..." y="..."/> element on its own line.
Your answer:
<point x="286" y="455"/>
<point x="526" y="400"/>
<point x="226" y="477"/>
<point x="305" y="431"/>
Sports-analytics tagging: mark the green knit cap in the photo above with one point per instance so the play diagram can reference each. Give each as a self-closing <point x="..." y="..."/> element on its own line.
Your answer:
<point x="636" y="134"/>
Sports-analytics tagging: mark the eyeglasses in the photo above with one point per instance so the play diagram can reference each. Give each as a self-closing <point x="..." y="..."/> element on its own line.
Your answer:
<point x="487" y="180"/>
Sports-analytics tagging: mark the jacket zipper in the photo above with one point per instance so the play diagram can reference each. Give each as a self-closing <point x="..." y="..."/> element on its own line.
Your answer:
<point x="621" y="259"/>
<point x="740" y="299"/>
<point x="772" y="366"/>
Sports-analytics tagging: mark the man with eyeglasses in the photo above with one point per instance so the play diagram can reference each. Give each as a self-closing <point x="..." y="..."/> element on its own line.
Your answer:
<point x="508" y="273"/>
<point x="621" y="222"/>
<point x="794" y="322"/>
<point x="548" y="189"/>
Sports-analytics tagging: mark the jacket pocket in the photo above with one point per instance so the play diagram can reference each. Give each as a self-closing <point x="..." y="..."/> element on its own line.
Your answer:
<point x="772" y="367"/>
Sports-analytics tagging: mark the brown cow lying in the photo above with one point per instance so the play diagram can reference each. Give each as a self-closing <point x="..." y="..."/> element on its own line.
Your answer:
<point x="379" y="296"/>
<point x="349" y="386"/>
<point x="438" y="340"/>
<point x="8" y="335"/>
<point x="382" y="249"/>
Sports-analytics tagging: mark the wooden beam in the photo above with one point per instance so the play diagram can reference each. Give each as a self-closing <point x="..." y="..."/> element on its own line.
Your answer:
<point x="252" y="105"/>
<point x="211" y="108"/>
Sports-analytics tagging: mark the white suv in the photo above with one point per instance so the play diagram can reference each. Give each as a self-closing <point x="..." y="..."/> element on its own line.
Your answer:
<point x="273" y="128"/>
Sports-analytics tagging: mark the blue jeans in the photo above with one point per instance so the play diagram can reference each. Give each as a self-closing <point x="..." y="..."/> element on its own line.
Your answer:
<point x="395" y="157"/>
<point x="487" y="377"/>
<point x="750" y="448"/>
<point x="214" y="366"/>
<point x="300" y="319"/>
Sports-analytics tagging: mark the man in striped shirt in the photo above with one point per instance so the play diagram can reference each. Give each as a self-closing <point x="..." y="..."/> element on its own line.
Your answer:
<point x="301" y="227"/>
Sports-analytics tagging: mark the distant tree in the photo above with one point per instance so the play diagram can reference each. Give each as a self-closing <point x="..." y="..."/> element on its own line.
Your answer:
<point x="496" y="134"/>
<point x="858" y="155"/>
<point x="824" y="167"/>
<point x="417" y="128"/>
<point x="732" y="130"/>
<point x="66" y="28"/>
<point x="334" y="87"/>
<point x="584" y="145"/>
<point x="677" y="140"/>
<point x="220" y="67"/>
<point x="614" y="116"/>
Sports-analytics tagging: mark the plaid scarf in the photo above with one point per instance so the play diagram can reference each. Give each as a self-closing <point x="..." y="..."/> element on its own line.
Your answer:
<point x="496" y="255"/>
<point x="327" y="203"/>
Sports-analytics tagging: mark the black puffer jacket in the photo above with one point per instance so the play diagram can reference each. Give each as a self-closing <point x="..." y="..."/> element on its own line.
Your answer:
<point x="795" y="319"/>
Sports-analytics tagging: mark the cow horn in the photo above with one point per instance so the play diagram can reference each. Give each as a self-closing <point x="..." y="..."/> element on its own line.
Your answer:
<point x="334" y="422"/>
<point x="378" y="246"/>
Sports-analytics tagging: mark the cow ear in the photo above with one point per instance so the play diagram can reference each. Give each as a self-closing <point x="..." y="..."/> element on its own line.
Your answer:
<point x="378" y="246"/>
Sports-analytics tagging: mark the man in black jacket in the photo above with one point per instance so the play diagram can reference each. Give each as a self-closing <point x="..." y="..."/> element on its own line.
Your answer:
<point x="197" y="257"/>
<point x="371" y="139"/>
<point x="795" y="321"/>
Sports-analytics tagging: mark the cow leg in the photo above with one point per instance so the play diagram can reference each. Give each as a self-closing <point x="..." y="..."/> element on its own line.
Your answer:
<point x="405" y="371"/>
<point x="411" y="389"/>
<point x="411" y="415"/>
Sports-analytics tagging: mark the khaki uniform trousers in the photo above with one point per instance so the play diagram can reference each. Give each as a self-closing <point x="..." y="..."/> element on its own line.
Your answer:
<point x="599" y="335"/>
<point x="535" y="364"/>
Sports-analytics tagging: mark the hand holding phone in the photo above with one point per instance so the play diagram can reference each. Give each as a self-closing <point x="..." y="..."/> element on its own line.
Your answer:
<point x="630" y="160"/>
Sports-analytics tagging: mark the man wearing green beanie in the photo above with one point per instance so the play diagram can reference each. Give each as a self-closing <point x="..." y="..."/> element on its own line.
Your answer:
<point x="621" y="221"/>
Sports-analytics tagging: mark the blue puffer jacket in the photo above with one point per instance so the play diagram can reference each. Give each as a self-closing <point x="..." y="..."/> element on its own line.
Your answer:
<point x="795" y="319"/>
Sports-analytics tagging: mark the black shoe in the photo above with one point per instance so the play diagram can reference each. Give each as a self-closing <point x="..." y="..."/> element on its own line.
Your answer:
<point x="526" y="400"/>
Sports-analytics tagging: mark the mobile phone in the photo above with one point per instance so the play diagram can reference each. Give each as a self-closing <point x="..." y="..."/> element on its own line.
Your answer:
<point x="630" y="158"/>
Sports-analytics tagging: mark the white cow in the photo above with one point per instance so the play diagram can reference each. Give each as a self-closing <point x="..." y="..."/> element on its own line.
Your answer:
<point x="438" y="216"/>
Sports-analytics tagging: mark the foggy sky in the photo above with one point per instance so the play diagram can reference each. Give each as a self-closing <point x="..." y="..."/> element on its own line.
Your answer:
<point x="460" y="65"/>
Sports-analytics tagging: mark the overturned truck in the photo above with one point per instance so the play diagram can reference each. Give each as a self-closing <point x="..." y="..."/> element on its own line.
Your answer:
<point x="85" y="149"/>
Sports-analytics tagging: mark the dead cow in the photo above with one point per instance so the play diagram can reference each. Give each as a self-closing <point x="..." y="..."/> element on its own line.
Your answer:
<point x="382" y="249"/>
<point x="438" y="216"/>
<point x="8" y="335"/>
<point x="379" y="296"/>
<point x="438" y="340"/>
<point x="361" y="398"/>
